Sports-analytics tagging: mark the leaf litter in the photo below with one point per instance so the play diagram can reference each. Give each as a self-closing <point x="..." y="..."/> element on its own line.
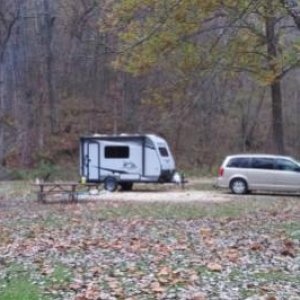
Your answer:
<point x="78" y="251"/>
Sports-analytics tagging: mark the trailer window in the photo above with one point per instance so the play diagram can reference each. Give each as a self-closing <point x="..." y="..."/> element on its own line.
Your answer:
<point x="163" y="151"/>
<point x="116" y="152"/>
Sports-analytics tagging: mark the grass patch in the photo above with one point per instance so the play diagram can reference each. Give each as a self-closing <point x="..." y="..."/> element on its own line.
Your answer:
<point x="21" y="289"/>
<point x="42" y="170"/>
<point x="236" y="275"/>
<point x="292" y="229"/>
<point x="179" y="211"/>
<point x="17" y="286"/>
<point x="16" y="189"/>
<point x="46" y="171"/>
<point x="204" y="272"/>
<point x="246" y="293"/>
<point x="61" y="276"/>
<point x="277" y="276"/>
<point x="204" y="171"/>
<point x="201" y="186"/>
<point x="54" y="221"/>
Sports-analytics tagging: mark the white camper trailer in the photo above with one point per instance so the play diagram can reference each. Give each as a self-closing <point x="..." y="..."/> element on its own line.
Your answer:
<point x="125" y="159"/>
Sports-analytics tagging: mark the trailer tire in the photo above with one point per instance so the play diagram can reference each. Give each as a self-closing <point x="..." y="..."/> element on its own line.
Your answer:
<point x="110" y="184"/>
<point x="126" y="186"/>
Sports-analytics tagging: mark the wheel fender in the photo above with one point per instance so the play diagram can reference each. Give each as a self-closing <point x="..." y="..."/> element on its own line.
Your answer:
<point x="240" y="177"/>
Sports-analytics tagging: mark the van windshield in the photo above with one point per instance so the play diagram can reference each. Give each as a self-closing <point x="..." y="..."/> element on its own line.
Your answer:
<point x="163" y="151"/>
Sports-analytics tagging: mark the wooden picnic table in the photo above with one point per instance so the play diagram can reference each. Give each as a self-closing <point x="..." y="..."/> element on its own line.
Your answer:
<point x="56" y="188"/>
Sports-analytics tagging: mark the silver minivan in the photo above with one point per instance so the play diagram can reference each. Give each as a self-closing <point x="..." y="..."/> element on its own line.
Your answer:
<point x="246" y="172"/>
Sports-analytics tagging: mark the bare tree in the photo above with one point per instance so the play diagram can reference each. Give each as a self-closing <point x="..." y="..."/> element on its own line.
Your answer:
<point x="9" y="15"/>
<point x="49" y="22"/>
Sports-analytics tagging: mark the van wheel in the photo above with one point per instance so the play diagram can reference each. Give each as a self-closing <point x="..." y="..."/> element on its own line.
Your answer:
<point x="110" y="184"/>
<point x="126" y="186"/>
<point x="238" y="186"/>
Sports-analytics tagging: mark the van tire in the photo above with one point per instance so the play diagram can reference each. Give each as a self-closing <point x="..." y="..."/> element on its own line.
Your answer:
<point x="126" y="186"/>
<point x="238" y="186"/>
<point x="110" y="184"/>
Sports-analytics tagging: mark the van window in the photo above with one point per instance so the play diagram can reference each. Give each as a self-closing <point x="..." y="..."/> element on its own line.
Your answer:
<point x="239" y="162"/>
<point x="286" y="165"/>
<point x="263" y="163"/>
<point x="116" y="152"/>
<point x="163" y="151"/>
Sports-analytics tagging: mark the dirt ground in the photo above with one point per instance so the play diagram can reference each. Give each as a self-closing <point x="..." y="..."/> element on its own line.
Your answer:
<point x="196" y="190"/>
<point x="161" y="196"/>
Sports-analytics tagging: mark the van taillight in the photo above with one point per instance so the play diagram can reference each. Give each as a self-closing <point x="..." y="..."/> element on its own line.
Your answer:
<point x="221" y="172"/>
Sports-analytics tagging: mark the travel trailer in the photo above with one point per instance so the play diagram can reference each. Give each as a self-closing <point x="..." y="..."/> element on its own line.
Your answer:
<point x="122" y="160"/>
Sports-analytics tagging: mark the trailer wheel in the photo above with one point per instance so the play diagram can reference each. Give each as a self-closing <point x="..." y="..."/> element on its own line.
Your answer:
<point x="126" y="186"/>
<point x="110" y="184"/>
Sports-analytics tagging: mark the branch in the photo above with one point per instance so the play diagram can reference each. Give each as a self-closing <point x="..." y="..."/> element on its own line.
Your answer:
<point x="2" y="18"/>
<point x="9" y="29"/>
<point x="293" y="10"/>
<point x="82" y="20"/>
<point x="225" y="27"/>
<point x="239" y="16"/>
<point x="264" y="55"/>
<point x="152" y="32"/>
<point x="288" y="69"/>
<point x="238" y="69"/>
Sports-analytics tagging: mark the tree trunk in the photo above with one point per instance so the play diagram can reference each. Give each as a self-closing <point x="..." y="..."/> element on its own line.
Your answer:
<point x="2" y="150"/>
<point x="276" y="94"/>
<point x="277" y="122"/>
<point x="49" y="23"/>
<point x="9" y="17"/>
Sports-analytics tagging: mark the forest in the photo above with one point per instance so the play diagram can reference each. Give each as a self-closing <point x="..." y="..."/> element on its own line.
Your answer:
<point x="212" y="77"/>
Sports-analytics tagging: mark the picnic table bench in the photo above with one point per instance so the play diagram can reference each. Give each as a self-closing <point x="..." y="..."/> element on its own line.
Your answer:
<point x="59" y="188"/>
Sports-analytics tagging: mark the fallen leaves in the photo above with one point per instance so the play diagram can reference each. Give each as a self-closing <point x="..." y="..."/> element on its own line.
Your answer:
<point x="289" y="248"/>
<point x="256" y="247"/>
<point x="75" y="286"/>
<point x="156" y="287"/>
<point x="199" y="296"/>
<point x="232" y="255"/>
<point x="205" y="232"/>
<point x="214" y="267"/>
<point x="138" y="259"/>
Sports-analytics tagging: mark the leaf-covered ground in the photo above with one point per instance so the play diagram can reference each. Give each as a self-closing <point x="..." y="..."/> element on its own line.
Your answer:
<point x="243" y="249"/>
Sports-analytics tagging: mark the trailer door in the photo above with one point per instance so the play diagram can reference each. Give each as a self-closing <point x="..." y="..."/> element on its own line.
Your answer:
<point x="93" y="161"/>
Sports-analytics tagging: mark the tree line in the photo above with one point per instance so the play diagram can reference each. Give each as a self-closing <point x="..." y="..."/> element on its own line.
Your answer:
<point x="213" y="77"/>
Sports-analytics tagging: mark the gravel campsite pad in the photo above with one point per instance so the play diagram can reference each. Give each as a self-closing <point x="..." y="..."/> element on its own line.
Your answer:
<point x="234" y="248"/>
<point x="161" y="196"/>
